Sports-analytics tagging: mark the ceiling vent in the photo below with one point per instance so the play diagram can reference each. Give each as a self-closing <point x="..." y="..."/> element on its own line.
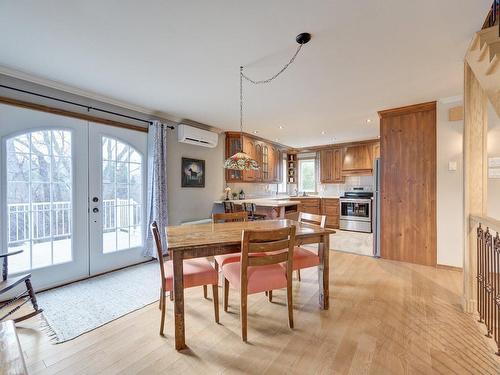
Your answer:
<point x="195" y="136"/>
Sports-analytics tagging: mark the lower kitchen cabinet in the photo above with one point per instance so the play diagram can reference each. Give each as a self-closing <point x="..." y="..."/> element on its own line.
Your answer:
<point x="331" y="208"/>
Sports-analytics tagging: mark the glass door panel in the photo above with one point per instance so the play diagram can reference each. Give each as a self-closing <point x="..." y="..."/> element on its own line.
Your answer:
<point x="117" y="197"/>
<point x="43" y="202"/>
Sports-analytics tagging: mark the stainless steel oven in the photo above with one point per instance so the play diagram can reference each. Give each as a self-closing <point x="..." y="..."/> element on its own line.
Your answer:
<point x="356" y="211"/>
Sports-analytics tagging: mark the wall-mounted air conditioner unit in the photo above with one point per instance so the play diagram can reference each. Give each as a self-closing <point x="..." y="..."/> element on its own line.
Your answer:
<point x="195" y="136"/>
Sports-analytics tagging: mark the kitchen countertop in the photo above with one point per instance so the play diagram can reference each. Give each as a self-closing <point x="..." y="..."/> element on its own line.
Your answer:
<point x="281" y="201"/>
<point x="263" y="202"/>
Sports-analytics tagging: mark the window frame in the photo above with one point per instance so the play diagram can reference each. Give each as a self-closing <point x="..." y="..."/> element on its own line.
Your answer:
<point x="299" y="174"/>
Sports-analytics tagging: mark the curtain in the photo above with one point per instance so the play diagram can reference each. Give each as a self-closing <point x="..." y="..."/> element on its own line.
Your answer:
<point x="157" y="186"/>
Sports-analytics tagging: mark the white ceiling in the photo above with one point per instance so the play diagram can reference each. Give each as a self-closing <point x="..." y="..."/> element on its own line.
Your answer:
<point x="183" y="57"/>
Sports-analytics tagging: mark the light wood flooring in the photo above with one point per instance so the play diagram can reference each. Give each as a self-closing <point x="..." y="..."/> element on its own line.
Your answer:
<point x="385" y="317"/>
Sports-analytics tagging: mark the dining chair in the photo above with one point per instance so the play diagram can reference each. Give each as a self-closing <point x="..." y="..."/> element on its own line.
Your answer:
<point x="242" y="216"/>
<point x="260" y="270"/>
<point x="197" y="272"/>
<point x="304" y="258"/>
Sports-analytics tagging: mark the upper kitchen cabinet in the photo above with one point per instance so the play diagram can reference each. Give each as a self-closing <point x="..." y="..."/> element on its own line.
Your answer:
<point x="357" y="160"/>
<point x="331" y="166"/>
<point x="267" y="154"/>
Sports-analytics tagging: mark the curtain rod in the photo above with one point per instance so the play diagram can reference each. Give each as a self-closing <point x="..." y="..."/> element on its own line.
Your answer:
<point x="80" y="105"/>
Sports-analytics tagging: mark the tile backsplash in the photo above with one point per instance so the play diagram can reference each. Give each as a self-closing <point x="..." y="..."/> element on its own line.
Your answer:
<point x="254" y="190"/>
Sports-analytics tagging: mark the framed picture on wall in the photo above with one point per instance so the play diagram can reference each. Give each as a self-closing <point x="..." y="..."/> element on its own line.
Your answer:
<point x="193" y="173"/>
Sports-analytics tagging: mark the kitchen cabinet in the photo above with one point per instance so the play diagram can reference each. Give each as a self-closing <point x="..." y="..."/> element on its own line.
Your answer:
<point x="267" y="154"/>
<point x="331" y="208"/>
<point x="331" y="166"/>
<point x="357" y="160"/>
<point x="309" y="205"/>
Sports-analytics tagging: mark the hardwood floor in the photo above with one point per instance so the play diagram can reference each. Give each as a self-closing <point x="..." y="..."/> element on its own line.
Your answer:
<point x="385" y="317"/>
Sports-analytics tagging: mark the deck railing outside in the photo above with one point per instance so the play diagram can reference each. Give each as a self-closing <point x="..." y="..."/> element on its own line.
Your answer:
<point x="488" y="275"/>
<point x="55" y="221"/>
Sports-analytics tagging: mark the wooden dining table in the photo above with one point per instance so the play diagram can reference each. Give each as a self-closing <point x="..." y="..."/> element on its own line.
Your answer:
<point x="206" y="240"/>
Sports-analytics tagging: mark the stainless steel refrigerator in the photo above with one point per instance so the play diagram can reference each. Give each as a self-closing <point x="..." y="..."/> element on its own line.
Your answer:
<point x="376" y="208"/>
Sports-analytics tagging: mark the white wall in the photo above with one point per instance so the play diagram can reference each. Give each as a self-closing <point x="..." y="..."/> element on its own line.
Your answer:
<point x="449" y="188"/>
<point x="493" y="151"/>
<point x="186" y="204"/>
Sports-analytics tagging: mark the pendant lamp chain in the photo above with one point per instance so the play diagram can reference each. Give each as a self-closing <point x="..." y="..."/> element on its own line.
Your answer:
<point x="259" y="82"/>
<point x="241" y="161"/>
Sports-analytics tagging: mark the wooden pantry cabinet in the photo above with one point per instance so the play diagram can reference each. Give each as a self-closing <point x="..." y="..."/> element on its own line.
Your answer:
<point x="267" y="154"/>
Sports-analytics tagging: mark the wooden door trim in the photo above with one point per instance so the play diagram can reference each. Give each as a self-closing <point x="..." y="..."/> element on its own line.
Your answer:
<point x="421" y="107"/>
<point x="66" y="113"/>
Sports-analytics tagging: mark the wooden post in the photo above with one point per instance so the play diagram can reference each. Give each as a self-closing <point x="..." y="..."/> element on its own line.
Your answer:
<point x="475" y="177"/>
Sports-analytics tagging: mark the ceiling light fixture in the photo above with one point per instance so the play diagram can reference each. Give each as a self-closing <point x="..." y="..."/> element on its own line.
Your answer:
<point x="281" y="126"/>
<point x="368" y="121"/>
<point x="242" y="161"/>
<point x="323" y="132"/>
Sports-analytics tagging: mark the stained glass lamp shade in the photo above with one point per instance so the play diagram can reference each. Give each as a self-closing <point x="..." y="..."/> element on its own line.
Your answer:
<point x="241" y="162"/>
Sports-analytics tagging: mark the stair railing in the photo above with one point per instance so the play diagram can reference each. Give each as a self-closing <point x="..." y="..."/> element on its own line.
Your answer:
<point x="493" y="16"/>
<point x="488" y="274"/>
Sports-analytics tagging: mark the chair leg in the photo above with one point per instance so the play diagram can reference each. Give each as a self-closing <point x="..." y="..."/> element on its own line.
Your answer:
<point x="270" y="295"/>
<point x="243" y="313"/>
<point x="163" y="308"/>
<point x="289" y="303"/>
<point x="298" y="274"/>
<point x="226" y="294"/>
<point x="266" y="292"/>
<point x="171" y="295"/>
<point x="215" y="292"/>
<point x="161" y="299"/>
<point x="31" y="294"/>
<point x="205" y="294"/>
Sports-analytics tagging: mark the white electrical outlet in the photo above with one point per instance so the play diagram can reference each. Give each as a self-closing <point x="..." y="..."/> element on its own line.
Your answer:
<point x="452" y="166"/>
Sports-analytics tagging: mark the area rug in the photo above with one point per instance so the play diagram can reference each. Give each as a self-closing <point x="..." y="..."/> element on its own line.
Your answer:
<point x="77" y="308"/>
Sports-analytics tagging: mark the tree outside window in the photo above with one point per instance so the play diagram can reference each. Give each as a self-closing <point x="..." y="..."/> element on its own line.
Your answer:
<point x="307" y="175"/>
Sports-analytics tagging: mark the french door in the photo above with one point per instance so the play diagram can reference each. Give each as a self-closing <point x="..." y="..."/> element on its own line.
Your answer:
<point x="117" y="181"/>
<point x="72" y="196"/>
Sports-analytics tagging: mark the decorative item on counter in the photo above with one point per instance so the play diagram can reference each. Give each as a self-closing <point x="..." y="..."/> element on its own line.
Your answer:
<point x="227" y="191"/>
<point x="242" y="194"/>
<point x="235" y="195"/>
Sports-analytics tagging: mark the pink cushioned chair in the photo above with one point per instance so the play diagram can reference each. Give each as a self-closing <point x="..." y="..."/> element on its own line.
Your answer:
<point x="220" y="260"/>
<point x="197" y="272"/>
<point x="304" y="258"/>
<point x="266" y="264"/>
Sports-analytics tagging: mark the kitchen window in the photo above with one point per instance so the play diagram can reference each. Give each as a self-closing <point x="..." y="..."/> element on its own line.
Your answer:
<point x="307" y="175"/>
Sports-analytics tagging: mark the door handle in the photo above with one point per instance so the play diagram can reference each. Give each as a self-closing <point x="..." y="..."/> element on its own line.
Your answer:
<point x="95" y="210"/>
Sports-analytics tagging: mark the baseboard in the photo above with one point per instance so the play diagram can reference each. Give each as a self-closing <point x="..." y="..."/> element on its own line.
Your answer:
<point x="449" y="268"/>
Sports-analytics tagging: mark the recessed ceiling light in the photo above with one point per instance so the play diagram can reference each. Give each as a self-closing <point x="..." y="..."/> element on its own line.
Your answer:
<point x="255" y="131"/>
<point x="323" y="132"/>
<point x="281" y="126"/>
<point x="368" y="120"/>
<point x="277" y="140"/>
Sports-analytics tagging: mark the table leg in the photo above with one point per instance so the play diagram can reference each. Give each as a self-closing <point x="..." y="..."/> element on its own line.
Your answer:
<point x="324" y="272"/>
<point x="180" y="340"/>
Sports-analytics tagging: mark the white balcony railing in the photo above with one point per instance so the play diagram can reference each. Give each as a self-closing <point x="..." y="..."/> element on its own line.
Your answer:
<point x="54" y="221"/>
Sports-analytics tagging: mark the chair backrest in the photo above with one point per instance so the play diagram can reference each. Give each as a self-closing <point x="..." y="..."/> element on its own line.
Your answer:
<point x="229" y="217"/>
<point x="228" y="206"/>
<point x="265" y="241"/>
<point x="249" y="207"/>
<point x="159" y="248"/>
<point x="312" y="219"/>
